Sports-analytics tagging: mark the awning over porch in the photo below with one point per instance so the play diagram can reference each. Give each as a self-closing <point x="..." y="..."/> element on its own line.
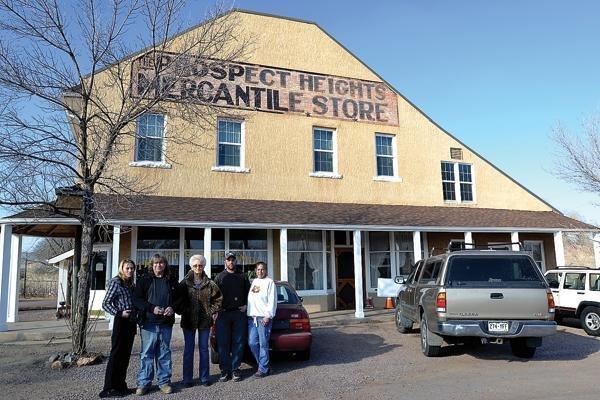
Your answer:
<point x="182" y="211"/>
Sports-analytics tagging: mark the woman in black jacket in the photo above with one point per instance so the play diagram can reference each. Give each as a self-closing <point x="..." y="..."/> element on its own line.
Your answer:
<point x="119" y="303"/>
<point x="200" y="300"/>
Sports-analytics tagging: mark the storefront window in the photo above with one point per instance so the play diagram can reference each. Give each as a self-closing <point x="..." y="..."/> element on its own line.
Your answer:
<point x="305" y="259"/>
<point x="155" y="240"/>
<point x="250" y="247"/>
<point x="379" y="256"/>
<point x="402" y="252"/>
<point x="194" y="244"/>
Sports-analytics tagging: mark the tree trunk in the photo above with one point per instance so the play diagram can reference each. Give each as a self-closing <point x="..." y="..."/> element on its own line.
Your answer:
<point x="81" y="311"/>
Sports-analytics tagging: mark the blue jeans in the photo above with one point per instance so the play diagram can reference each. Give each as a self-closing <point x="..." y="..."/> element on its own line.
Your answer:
<point x="231" y="338"/>
<point x="156" y="347"/>
<point x="189" y="337"/>
<point x="258" y="340"/>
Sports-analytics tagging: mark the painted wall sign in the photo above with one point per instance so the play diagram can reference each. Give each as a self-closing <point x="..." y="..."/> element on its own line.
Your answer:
<point x="257" y="87"/>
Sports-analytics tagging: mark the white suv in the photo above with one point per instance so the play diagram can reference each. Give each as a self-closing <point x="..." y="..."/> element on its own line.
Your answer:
<point x="577" y="294"/>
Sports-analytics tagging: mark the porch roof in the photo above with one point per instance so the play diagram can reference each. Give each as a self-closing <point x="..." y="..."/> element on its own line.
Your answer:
<point x="190" y="211"/>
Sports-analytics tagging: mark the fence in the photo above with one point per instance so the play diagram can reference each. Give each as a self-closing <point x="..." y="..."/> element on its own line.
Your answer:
<point x="31" y="288"/>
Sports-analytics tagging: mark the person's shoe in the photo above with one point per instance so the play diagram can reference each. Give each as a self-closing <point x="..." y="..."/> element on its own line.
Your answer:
<point x="224" y="377"/>
<point x="237" y="376"/>
<point x="206" y="383"/>
<point x="260" y="374"/>
<point x="166" y="389"/>
<point x="140" y="391"/>
<point x="188" y="384"/>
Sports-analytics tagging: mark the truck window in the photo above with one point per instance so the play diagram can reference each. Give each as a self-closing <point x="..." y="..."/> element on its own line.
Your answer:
<point x="553" y="279"/>
<point x="430" y="273"/>
<point x="595" y="282"/>
<point x="574" y="281"/>
<point x="493" y="271"/>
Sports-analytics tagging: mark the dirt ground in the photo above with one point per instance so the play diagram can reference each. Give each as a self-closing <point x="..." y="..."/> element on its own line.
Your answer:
<point x="348" y="362"/>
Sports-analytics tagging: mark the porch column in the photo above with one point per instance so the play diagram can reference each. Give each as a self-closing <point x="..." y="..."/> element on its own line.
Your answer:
<point x="559" y="248"/>
<point x="116" y="246"/>
<point x="283" y="244"/>
<point x="270" y="253"/>
<point x="181" y="253"/>
<point x="5" y="248"/>
<point x="514" y="238"/>
<point x="425" y="245"/>
<point x="13" y="292"/>
<point x="208" y="251"/>
<point x="596" y="245"/>
<point x="134" y="237"/>
<point x="358" y="276"/>
<point x="417" y="246"/>
<point x="468" y="240"/>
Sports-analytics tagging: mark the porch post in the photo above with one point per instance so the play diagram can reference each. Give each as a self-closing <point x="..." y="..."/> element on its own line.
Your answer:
<point x="417" y="246"/>
<point x="514" y="238"/>
<point x="596" y="244"/>
<point x="358" y="276"/>
<point x="116" y="246"/>
<point x="283" y="244"/>
<point x="208" y="251"/>
<point x="270" y="252"/>
<point x="425" y="245"/>
<point x="559" y="248"/>
<point x="134" y="237"/>
<point x="181" y="253"/>
<point x="13" y="294"/>
<point x="5" y="248"/>
<point x="468" y="240"/>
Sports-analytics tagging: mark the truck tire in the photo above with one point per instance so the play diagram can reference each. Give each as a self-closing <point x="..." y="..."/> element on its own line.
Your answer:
<point x="520" y="348"/>
<point x="426" y="347"/>
<point x="590" y="320"/>
<point x="403" y="324"/>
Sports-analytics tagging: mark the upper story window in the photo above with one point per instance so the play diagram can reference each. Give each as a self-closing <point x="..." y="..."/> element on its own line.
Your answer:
<point x="385" y="155"/>
<point x="324" y="150"/>
<point x="457" y="182"/>
<point x="150" y="138"/>
<point x="230" y="143"/>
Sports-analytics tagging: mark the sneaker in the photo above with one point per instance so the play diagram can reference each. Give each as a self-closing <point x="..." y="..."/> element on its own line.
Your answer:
<point x="260" y="374"/>
<point x="237" y="376"/>
<point x="188" y="384"/>
<point x="110" y="393"/>
<point x="166" y="389"/>
<point x="141" y="391"/>
<point x="224" y="377"/>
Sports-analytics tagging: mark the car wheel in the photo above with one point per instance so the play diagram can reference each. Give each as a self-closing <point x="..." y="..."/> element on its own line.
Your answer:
<point x="214" y="356"/>
<point x="426" y="348"/>
<point x="590" y="321"/>
<point x="403" y="324"/>
<point x="520" y="349"/>
<point x="303" y="355"/>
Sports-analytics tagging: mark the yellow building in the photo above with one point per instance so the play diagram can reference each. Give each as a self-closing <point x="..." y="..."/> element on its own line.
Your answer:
<point x="329" y="175"/>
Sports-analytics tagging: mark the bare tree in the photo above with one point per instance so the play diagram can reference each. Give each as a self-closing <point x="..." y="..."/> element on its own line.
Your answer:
<point x="578" y="156"/>
<point x="71" y="93"/>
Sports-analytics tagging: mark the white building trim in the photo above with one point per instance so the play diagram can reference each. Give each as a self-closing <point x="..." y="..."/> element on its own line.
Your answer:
<point x="514" y="239"/>
<point x="283" y="246"/>
<point x="358" y="275"/>
<point x="13" y="292"/>
<point x="5" y="249"/>
<point x="208" y="251"/>
<point x="559" y="249"/>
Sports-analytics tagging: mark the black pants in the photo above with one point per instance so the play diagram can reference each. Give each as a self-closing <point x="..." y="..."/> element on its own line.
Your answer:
<point x="122" y="338"/>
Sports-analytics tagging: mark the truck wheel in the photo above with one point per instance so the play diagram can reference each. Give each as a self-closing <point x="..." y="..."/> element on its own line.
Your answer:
<point x="214" y="356"/>
<point x="520" y="349"/>
<point x="403" y="324"/>
<point x="590" y="321"/>
<point x="426" y="348"/>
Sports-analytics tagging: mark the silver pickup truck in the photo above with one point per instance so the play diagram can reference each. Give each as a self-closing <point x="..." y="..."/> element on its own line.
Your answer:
<point x="473" y="296"/>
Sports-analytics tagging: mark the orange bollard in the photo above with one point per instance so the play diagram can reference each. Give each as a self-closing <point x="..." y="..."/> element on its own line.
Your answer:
<point x="389" y="303"/>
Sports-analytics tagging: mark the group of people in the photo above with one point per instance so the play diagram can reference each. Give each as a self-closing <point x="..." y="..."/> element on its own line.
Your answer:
<point x="243" y="313"/>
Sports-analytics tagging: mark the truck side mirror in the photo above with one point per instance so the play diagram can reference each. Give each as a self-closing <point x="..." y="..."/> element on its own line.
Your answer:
<point x="399" y="280"/>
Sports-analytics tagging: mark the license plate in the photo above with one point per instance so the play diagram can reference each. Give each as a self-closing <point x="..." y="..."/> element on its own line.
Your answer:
<point x="499" y="327"/>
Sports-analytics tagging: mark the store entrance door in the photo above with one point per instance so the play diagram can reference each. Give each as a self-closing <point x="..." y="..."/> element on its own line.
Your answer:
<point x="344" y="265"/>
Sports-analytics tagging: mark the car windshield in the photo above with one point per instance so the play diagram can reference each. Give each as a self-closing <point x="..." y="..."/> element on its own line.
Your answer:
<point x="493" y="271"/>
<point x="286" y="296"/>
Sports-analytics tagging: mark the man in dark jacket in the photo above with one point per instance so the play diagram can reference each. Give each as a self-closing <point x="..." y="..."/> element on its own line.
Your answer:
<point x="231" y="323"/>
<point x="154" y="297"/>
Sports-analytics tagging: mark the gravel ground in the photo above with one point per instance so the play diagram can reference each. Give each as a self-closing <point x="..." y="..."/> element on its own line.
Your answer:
<point x="357" y="361"/>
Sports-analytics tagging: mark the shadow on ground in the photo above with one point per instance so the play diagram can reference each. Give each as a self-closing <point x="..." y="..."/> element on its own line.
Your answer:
<point x="563" y="346"/>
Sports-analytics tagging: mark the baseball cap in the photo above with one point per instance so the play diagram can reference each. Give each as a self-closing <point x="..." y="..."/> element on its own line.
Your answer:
<point x="229" y="254"/>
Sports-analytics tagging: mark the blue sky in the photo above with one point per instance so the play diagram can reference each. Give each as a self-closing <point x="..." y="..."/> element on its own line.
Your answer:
<point x="497" y="75"/>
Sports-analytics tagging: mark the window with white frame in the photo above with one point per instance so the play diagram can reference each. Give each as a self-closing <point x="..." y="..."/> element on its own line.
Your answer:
<point x="385" y="155"/>
<point x="306" y="255"/>
<point x="150" y="137"/>
<point x="457" y="182"/>
<point x="249" y="246"/>
<point x="390" y="254"/>
<point x="536" y="249"/>
<point x="229" y="135"/>
<point x="324" y="150"/>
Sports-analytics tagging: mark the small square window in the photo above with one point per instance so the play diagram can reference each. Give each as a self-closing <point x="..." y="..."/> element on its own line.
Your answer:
<point x="384" y="153"/>
<point x="150" y="138"/>
<point x="323" y="150"/>
<point x="229" y="148"/>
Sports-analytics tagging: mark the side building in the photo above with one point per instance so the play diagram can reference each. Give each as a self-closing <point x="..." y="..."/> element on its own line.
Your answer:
<point x="329" y="175"/>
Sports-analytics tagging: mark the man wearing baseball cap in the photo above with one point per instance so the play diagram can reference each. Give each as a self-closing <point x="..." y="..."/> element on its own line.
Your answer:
<point x="231" y="322"/>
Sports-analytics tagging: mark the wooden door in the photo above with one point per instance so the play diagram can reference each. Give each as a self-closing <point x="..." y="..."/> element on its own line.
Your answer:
<point x="344" y="260"/>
